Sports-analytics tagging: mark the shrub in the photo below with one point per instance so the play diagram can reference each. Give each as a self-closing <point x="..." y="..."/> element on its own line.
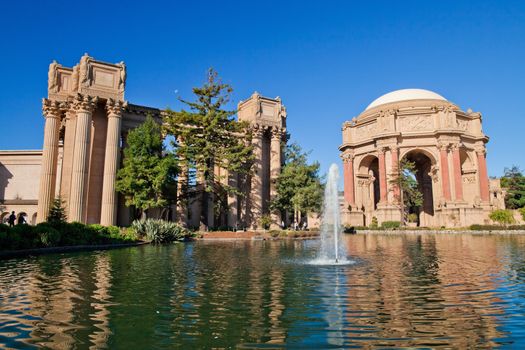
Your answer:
<point x="349" y="229"/>
<point x="374" y="224"/>
<point x="522" y="212"/>
<point x="160" y="231"/>
<point x="391" y="224"/>
<point x="412" y="217"/>
<point x="477" y="227"/>
<point x="502" y="216"/>
<point x="47" y="235"/>
<point x="265" y="221"/>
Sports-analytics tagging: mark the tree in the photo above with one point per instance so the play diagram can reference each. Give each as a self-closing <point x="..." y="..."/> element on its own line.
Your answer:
<point x="149" y="173"/>
<point x="502" y="216"/>
<point x="298" y="187"/>
<point x="207" y="137"/>
<point x="57" y="213"/>
<point x="514" y="182"/>
<point x="404" y="178"/>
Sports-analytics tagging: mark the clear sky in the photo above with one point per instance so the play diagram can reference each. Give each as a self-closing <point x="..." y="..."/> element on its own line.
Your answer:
<point x="326" y="59"/>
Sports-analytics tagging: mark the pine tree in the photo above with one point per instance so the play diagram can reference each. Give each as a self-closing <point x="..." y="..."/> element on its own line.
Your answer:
<point x="148" y="174"/>
<point x="207" y="136"/>
<point x="514" y="182"/>
<point x="57" y="213"/>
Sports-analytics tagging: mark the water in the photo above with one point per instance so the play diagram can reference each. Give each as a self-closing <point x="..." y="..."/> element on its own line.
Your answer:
<point x="331" y="251"/>
<point x="435" y="291"/>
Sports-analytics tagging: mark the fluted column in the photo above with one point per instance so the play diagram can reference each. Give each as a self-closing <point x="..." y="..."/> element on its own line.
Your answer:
<point x="108" y="215"/>
<point x="84" y="106"/>
<point x="275" y="169"/>
<point x="382" y="176"/>
<point x="256" y="180"/>
<point x="458" y="183"/>
<point x="394" y="152"/>
<point x="445" y="180"/>
<point x="46" y="193"/>
<point x="182" y="200"/>
<point x="69" y="146"/>
<point x="348" y="173"/>
<point x="483" y="176"/>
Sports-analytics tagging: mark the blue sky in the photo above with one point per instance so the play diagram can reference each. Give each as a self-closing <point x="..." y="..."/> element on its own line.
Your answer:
<point x="327" y="59"/>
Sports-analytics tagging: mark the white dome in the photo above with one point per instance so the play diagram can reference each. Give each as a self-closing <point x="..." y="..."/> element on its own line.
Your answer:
<point x="405" y="95"/>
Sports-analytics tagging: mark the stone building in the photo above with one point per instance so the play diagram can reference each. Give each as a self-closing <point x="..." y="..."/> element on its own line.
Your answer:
<point x="86" y="123"/>
<point x="447" y="146"/>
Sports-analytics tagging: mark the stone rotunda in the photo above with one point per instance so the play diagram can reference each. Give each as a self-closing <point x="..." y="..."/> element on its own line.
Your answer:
<point x="447" y="146"/>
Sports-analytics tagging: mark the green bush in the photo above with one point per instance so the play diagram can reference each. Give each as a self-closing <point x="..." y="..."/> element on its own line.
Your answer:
<point x="160" y="231"/>
<point x="502" y="216"/>
<point x="522" y="212"/>
<point x="374" y="224"/>
<point x="390" y="224"/>
<point x="47" y="235"/>
<point x="477" y="227"/>
<point x="412" y="217"/>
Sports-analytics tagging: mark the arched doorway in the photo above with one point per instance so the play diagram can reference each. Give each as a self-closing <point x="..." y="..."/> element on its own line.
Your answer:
<point x="368" y="183"/>
<point x="423" y="162"/>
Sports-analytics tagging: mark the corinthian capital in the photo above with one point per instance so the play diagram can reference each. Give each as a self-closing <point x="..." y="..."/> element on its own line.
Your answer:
<point x="257" y="130"/>
<point x="51" y="108"/>
<point x="115" y="108"/>
<point x="277" y="133"/>
<point x="85" y="103"/>
<point x="347" y="157"/>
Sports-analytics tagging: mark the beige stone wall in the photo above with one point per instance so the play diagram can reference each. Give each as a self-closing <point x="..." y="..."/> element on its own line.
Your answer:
<point x="19" y="182"/>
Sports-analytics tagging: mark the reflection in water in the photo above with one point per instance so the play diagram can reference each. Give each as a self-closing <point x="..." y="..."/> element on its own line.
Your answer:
<point x="459" y="291"/>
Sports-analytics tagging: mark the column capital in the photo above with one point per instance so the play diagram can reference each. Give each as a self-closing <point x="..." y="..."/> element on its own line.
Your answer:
<point x="277" y="133"/>
<point x="115" y="108"/>
<point x="443" y="145"/>
<point x="455" y="146"/>
<point x="481" y="150"/>
<point x="347" y="157"/>
<point x="382" y="149"/>
<point x="84" y="103"/>
<point x="257" y="130"/>
<point x="51" y="108"/>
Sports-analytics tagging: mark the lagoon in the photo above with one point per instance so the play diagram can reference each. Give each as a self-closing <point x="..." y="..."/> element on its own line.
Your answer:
<point x="401" y="290"/>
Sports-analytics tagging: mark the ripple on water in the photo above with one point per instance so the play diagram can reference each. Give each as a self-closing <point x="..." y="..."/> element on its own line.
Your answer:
<point x="450" y="291"/>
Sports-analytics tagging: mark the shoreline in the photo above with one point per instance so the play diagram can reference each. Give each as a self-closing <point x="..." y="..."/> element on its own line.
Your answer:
<point x="65" y="249"/>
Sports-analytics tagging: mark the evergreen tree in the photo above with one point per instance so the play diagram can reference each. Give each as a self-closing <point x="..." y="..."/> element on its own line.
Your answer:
<point x="404" y="178"/>
<point x="148" y="174"/>
<point x="514" y="182"/>
<point x="57" y="213"/>
<point x="298" y="187"/>
<point x="207" y="136"/>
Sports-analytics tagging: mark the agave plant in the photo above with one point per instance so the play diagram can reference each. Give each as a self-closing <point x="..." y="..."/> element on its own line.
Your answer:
<point x="160" y="231"/>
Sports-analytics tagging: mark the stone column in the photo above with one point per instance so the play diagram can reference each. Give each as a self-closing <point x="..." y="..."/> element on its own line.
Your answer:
<point x="483" y="176"/>
<point x="275" y="170"/>
<point x="108" y="214"/>
<point x="84" y="106"/>
<point x="394" y="152"/>
<point x="69" y="146"/>
<point x="256" y="186"/>
<point x="182" y="200"/>
<point x="458" y="181"/>
<point x="46" y="192"/>
<point x="382" y="176"/>
<point x="348" y="173"/>
<point x="445" y="180"/>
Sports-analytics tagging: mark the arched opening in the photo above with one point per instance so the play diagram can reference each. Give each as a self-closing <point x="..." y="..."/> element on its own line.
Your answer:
<point x="369" y="170"/>
<point x="422" y="165"/>
<point x="33" y="219"/>
<point x="22" y="218"/>
<point x="4" y="217"/>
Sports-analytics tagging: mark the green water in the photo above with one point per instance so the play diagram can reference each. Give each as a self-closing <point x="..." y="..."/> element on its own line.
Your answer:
<point x="450" y="291"/>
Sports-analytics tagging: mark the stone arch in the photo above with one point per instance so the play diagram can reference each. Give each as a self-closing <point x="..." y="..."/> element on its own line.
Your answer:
<point x="433" y="157"/>
<point x="424" y="161"/>
<point x="4" y="217"/>
<point x="24" y="215"/>
<point x="368" y="177"/>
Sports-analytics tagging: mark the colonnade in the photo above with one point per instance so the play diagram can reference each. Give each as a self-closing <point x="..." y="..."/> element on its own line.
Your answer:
<point x="78" y="125"/>
<point x="449" y="156"/>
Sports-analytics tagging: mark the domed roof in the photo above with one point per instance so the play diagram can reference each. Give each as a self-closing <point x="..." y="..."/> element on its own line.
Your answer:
<point x="405" y="95"/>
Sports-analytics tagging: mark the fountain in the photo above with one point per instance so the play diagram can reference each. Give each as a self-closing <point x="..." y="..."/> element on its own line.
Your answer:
<point x="332" y="251"/>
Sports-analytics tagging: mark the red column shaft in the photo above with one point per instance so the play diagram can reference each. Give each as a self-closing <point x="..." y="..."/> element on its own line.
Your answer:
<point x="458" y="183"/>
<point x="444" y="174"/>
<point x="395" y="168"/>
<point x="483" y="177"/>
<point x="382" y="178"/>
<point x="349" y="181"/>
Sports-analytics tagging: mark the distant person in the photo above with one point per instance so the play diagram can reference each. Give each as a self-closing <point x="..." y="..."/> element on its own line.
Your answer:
<point x="21" y="219"/>
<point x="12" y="219"/>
